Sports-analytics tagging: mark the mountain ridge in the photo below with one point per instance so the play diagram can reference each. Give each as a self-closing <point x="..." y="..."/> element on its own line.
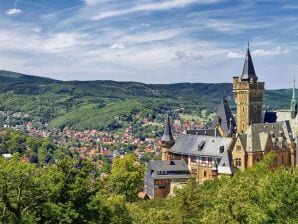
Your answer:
<point x="95" y="104"/>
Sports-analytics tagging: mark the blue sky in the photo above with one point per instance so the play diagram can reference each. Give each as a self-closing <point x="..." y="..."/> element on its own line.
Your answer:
<point x="165" y="41"/>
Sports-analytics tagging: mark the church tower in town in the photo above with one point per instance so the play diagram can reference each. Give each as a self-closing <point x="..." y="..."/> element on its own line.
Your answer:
<point x="293" y="102"/>
<point x="248" y="95"/>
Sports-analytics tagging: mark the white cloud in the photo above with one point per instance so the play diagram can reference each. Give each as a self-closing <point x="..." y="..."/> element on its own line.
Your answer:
<point x="117" y="46"/>
<point x="185" y="56"/>
<point x="95" y="2"/>
<point x="153" y="6"/>
<point x="13" y="11"/>
<point x="261" y="52"/>
<point x="36" y="43"/>
<point x="234" y="55"/>
<point x="275" y="51"/>
<point x="61" y="42"/>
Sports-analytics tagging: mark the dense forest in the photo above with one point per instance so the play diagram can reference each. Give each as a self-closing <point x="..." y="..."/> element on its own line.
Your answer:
<point x="75" y="191"/>
<point x="108" y="104"/>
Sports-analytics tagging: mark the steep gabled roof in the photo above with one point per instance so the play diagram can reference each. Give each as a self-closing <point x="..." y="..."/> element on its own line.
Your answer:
<point x="167" y="134"/>
<point x="248" y="72"/>
<point x="226" y="117"/>
<point x="257" y="135"/>
<point x="225" y="165"/>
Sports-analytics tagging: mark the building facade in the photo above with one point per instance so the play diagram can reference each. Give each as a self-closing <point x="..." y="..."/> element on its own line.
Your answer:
<point x="163" y="177"/>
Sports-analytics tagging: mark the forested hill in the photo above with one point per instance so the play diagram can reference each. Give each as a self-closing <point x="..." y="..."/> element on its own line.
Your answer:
<point x="96" y="104"/>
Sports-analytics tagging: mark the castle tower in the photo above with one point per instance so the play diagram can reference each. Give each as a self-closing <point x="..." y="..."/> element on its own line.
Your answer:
<point x="293" y="102"/>
<point x="248" y="95"/>
<point x="167" y="139"/>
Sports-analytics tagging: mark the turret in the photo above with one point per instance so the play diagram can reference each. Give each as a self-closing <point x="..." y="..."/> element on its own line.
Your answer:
<point x="248" y="95"/>
<point x="167" y="139"/>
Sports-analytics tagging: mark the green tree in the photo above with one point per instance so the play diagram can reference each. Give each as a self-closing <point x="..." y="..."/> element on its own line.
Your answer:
<point x="126" y="177"/>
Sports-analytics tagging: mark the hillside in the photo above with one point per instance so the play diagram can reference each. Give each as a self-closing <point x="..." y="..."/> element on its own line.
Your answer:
<point x="101" y="104"/>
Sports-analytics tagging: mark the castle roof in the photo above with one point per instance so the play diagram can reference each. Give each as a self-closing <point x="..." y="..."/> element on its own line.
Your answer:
<point x="226" y="117"/>
<point x="172" y="169"/>
<point x="257" y="136"/>
<point x="248" y="72"/>
<point x="167" y="134"/>
<point x="200" y="145"/>
<point x="205" y="131"/>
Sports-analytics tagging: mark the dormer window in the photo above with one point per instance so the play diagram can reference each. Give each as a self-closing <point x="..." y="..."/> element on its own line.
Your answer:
<point x="221" y="149"/>
<point x="201" y="145"/>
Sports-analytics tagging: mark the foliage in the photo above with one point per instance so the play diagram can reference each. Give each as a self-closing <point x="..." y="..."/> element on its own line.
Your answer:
<point x="259" y="195"/>
<point x="126" y="177"/>
<point x="67" y="192"/>
<point x="34" y="149"/>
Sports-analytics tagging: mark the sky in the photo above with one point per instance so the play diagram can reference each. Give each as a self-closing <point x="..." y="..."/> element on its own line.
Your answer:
<point x="150" y="41"/>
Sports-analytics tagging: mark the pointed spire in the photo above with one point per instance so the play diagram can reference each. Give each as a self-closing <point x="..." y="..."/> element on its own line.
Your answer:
<point x="293" y="100"/>
<point x="248" y="72"/>
<point x="167" y="134"/>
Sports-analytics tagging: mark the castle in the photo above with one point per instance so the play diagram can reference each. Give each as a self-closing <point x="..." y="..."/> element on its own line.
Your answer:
<point x="229" y="144"/>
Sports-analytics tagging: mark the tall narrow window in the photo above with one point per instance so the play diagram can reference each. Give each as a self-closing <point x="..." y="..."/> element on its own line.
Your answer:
<point x="238" y="162"/>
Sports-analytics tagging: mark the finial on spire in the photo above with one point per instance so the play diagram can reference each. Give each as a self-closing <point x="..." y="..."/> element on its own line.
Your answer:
<point x="248" y="44"/>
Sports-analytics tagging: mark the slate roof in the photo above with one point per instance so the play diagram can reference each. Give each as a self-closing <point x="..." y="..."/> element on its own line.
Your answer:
<point x="226" y="117"/>
<point x="248" y="68"/>
<point x="167" y="134"/>
<point x="200" y="145"/>
<point x="174" y="169"/>
<point x="243" y="140"/>
<point x="225" y="165"/>
<point x="208" y="132"/>
<point x="257" y="135"/>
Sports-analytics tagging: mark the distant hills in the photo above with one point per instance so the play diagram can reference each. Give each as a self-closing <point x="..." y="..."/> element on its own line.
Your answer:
<point x="96" y="104"/>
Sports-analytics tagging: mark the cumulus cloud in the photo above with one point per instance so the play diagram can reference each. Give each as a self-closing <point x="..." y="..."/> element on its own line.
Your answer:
<point x="13" y="11"/>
